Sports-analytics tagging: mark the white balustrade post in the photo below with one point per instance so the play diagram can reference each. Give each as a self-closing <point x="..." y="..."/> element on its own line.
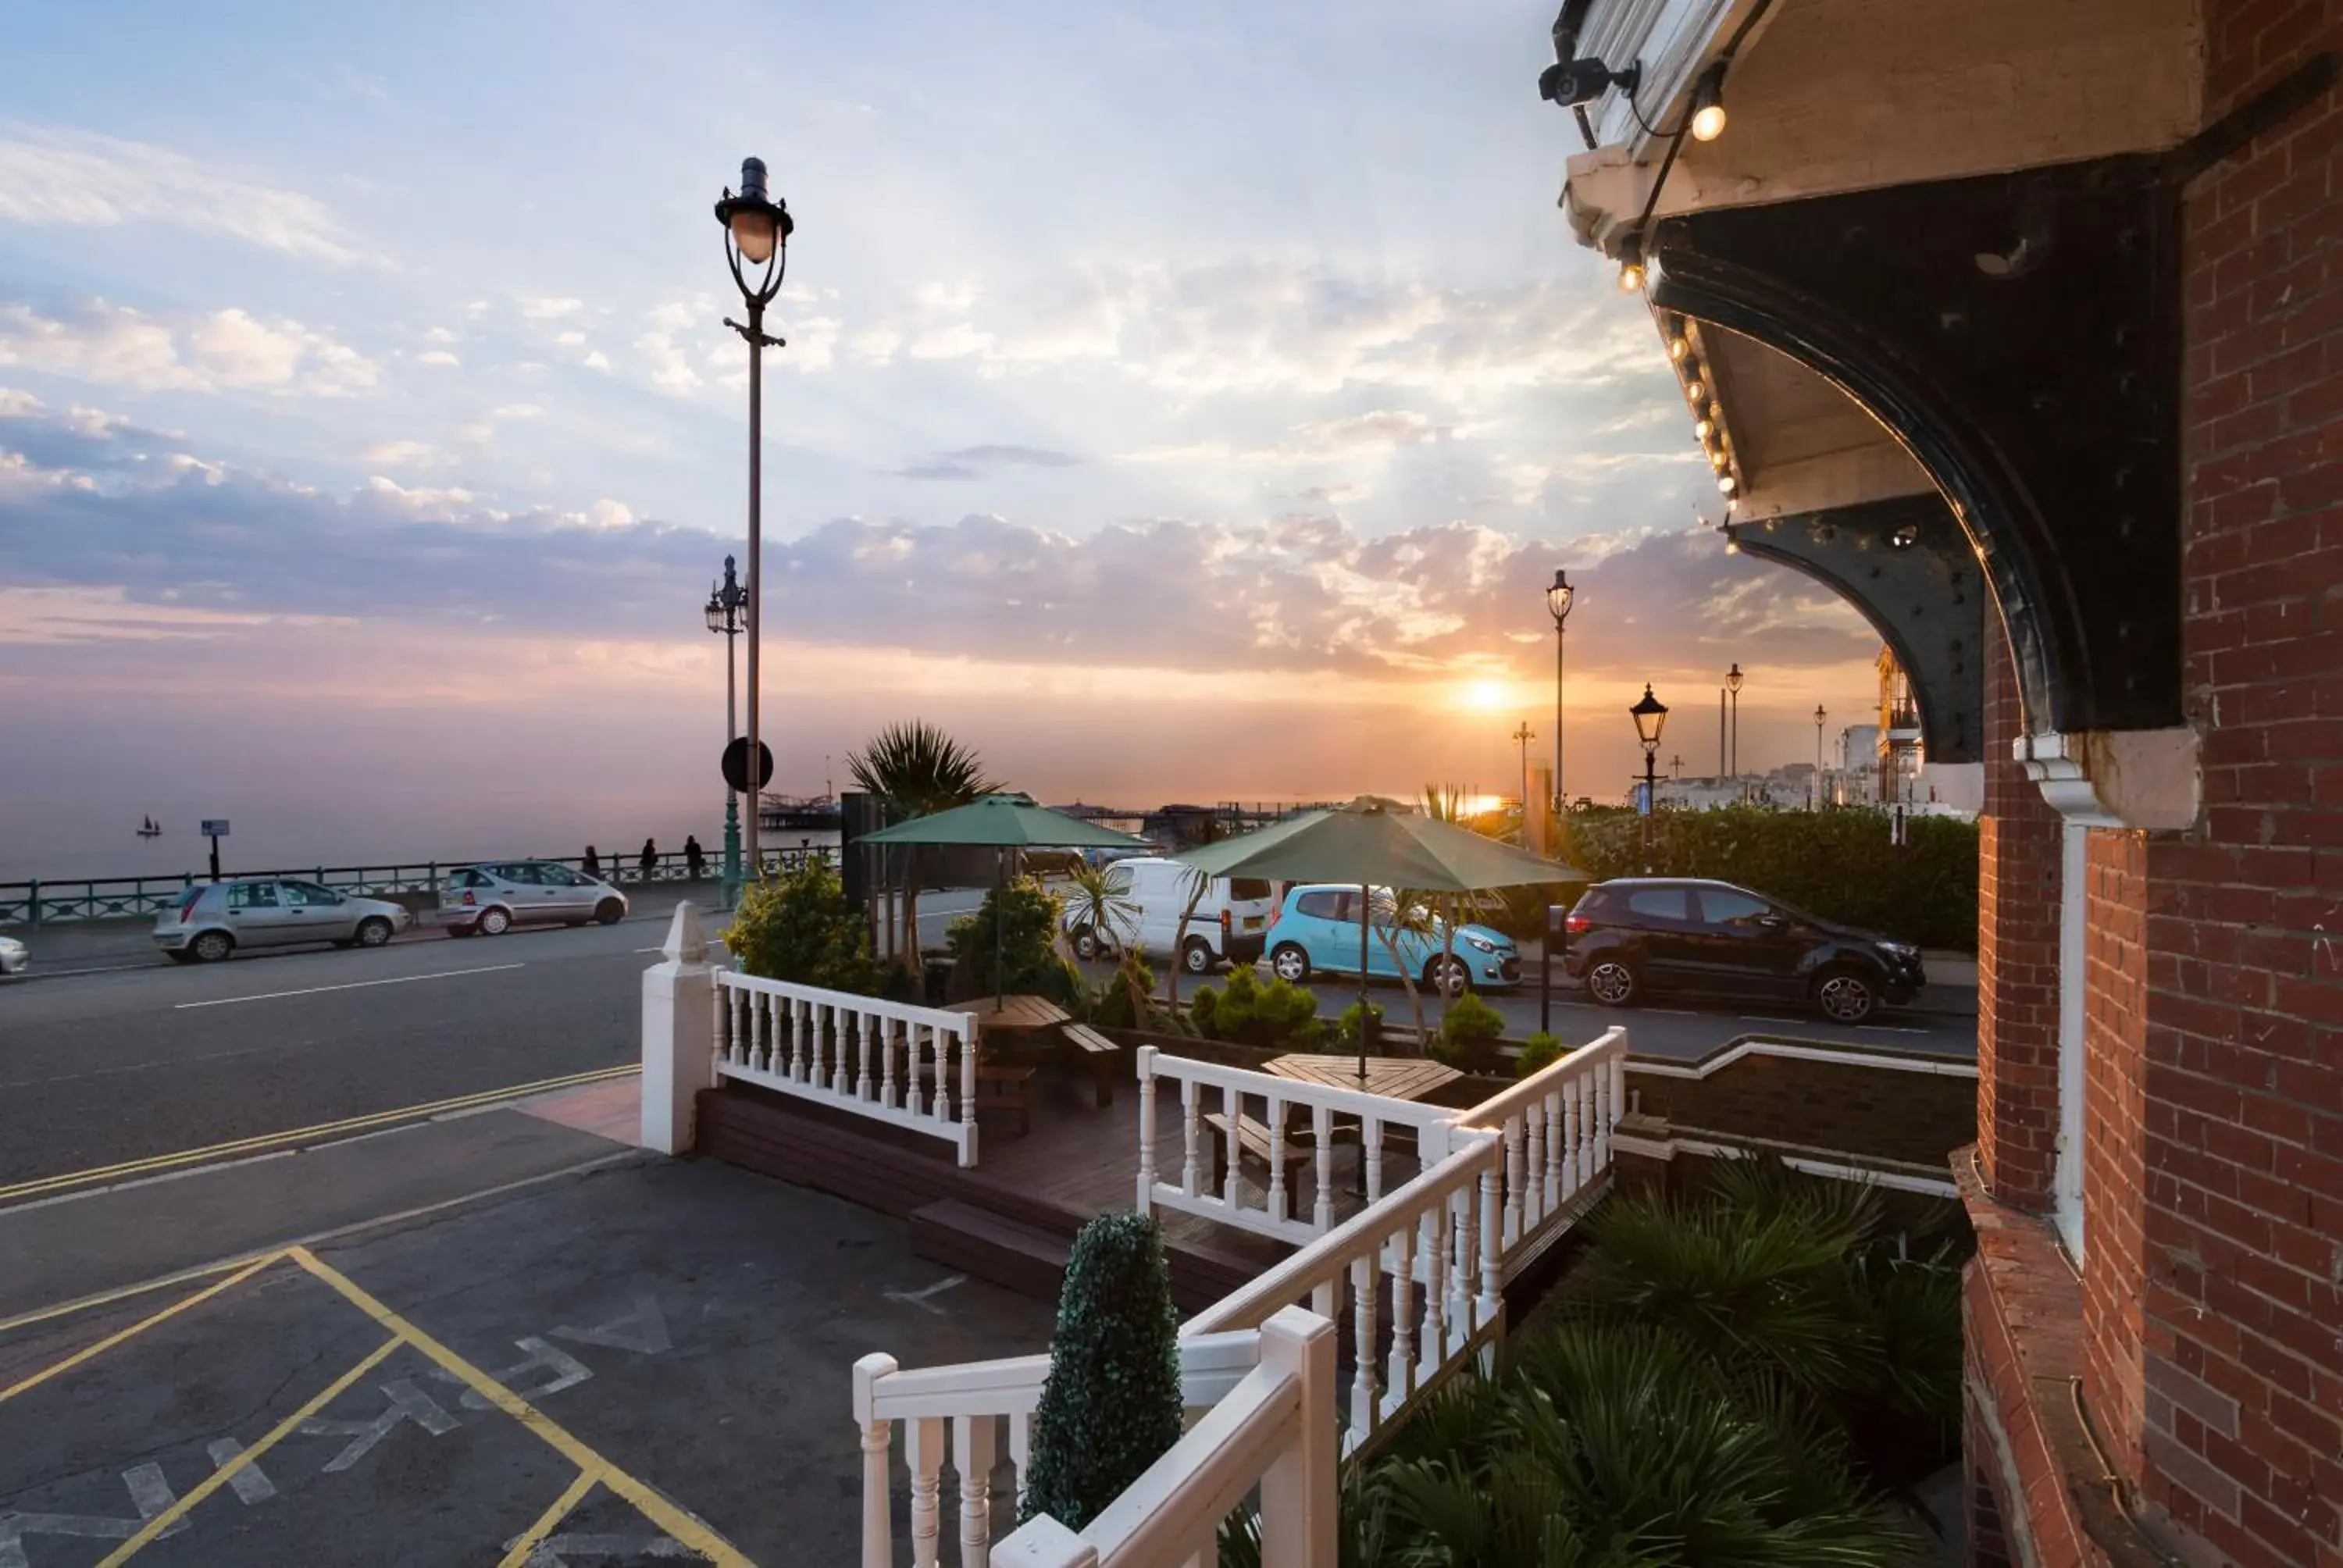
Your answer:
<point x="974" y="1448"/>
<point x="798" y="1039"/>
<point x="1277" y="1194"/>
<point x="1371" y="1137"/>
<point x="1146" y="1067"/>
<point x="923" y="1455"/>
<point x="1365" y="1277"/>
<point x="1300" y="1502"/>
<point x="1322" y="1130"/>
<point x="1190" y="1121"/>
<point x="1582" y="1146"/>
<point x="1514" y="1174"/>
<point x="679" y="1028"/>
<point x="968" y="1048"/>
<point x="915" y="1067"/>
<point x="1432" y="1258"/>
<point x="887" y="1063"/>
<point x="876" y="1436"/>
<point x="1618" y="1099"/>
<point x="1397" y="1381"/>
<point x="1491" y="1301"/>
<point x="1552" y="1110"/>
<point x="1535" y="1200"/>
<point x="865" y="1043"/>
<point x="842" y="1077"/>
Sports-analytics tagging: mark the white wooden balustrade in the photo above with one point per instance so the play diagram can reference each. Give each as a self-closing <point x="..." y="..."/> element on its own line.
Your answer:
<point x="1421" y="1269"/>
<point x="1556" y="1128"/>
<point x="914" y="1067"/>
<point x="1272" y="1107"/>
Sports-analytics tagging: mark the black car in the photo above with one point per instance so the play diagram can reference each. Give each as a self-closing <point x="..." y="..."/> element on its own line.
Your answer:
<point x="1641" y="935"/>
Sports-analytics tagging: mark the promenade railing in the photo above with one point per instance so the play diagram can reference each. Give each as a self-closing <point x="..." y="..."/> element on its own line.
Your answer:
<point x="56" y="901"/>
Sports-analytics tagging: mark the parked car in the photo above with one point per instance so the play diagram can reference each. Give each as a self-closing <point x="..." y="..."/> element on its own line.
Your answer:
<point x="1644" y="935"/>
<point x="214" y="919"/>
<point x="13" y="956"/>
<point x="1227" y="927"/>
<point x="1317" y="928"/>
<point x="489" y="898"/>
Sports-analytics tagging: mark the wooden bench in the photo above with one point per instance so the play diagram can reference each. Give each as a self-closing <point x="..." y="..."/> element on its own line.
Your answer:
<point x="1000" y="1087"/>
<point x="1099" y="1054"/>
<point x="1252" y="1138"/>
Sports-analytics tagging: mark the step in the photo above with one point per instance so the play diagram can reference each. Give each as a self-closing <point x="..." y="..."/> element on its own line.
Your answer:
<point x="1008" y="1252"/>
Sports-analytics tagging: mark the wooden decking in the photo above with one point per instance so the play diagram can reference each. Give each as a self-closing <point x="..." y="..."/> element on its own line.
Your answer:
<point x="1008" y="1220"/>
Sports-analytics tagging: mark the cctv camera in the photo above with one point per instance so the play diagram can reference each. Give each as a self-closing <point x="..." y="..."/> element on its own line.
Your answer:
<point x="1582" y="81"/>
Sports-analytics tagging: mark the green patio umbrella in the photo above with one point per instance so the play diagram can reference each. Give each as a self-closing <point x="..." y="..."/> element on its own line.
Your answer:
<point x="1004" y="823"/>
<point x="1376" y="842"/>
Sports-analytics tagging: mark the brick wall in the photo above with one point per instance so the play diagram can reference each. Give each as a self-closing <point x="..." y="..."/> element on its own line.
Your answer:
<point x="2017" y="956"/>
<point x="2115" y="1028"/>
<point x="2241" y="1409"/>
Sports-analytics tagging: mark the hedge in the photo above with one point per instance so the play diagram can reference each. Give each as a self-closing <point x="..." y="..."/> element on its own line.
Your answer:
<point x="1837" y="864"/>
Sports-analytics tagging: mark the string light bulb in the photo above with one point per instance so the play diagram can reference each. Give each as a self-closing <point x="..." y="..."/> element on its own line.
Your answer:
<point x="1727" y="483"/>
<point x="1630" y="275"/>
<point x="1704" y="428"/>
<point x="1708" y="104"/>
<point x="1678" y="347"/>
<point x="1696" y="392"/>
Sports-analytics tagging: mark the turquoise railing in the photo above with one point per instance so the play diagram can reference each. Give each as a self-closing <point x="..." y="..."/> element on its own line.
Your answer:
<point x="40" y="902"/>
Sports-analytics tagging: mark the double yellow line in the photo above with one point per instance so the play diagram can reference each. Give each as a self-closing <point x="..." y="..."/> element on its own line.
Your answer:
<point x="157" y="1164"/>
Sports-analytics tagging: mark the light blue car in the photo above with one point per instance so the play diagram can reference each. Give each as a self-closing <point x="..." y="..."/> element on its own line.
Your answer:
<point x="1316" y="931"/>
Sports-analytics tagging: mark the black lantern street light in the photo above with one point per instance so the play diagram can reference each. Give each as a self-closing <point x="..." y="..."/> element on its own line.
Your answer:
<point x="1733" y="685"/>
<point x="1651" y="716"/>
<point x="726" y="602"/>
<point x="1819" y="716"/>
<point x="1558" y="600"/>
<point x="757" y="232"/>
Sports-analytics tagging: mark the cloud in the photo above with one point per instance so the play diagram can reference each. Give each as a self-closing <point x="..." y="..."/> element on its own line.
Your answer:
<point x="82" y="180"/>
<point x="95" y="341"/>
<point x="400" y="455"/>
<point x="1371" y="435"/>
<point x="1258" y="326"/>
<point x="440" y="356"/>
<point x="979" y="462"/>
<point x="549" y="309"/>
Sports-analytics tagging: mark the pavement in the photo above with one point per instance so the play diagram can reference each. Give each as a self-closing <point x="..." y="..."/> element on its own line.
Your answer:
<point x="621" y="1359"/>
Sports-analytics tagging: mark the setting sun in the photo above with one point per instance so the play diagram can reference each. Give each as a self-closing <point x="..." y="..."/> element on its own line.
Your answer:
<point x="1483" y="696"/>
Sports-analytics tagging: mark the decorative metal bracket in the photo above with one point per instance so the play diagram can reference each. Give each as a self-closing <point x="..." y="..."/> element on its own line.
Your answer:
<point x="2020" y="334"/>
<point x="1905" y="565"/>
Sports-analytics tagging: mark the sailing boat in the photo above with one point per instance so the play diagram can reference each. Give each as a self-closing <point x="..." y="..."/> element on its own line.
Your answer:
<point x="147" y="829"/>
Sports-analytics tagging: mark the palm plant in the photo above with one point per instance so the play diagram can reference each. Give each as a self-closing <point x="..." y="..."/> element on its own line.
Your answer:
<point x="919" y="771"/>
<point x="1104" y="919"/>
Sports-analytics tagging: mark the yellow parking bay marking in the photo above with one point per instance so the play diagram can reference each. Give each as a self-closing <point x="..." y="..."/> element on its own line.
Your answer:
<point x="225" y="1472"/>
<point x="108" y="1343"/>
<point x="354" y="985"/>
<point x="524" y="1548"/>
<point x="678" y="1525"/>
<point x="130" y="1167"/>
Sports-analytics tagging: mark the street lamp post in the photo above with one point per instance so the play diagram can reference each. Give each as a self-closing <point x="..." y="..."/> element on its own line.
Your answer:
<point x="1675" y="767"/>
<point x="1733" y="685"/>
<point x="1523" y="736"/>
<point x="1651" y="716"/>
<point x="1819" y="717"/>
<point x="726" y="602"/>
<point x="756" y="231"/>
<point x="1558" y="600"/>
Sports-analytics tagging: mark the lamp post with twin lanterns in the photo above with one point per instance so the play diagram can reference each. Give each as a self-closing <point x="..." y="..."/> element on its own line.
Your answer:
<point x="1651" y="716"/>
<point x="1733" y="685"/>
<point x="1819" y="717"/>
<point x="1558" y="600"/>
<point x="726" y="600"/>
<point x="756" y="232"/>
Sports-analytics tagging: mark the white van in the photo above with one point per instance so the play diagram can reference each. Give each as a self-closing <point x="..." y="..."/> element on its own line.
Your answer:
<point x="1230" y="925"/>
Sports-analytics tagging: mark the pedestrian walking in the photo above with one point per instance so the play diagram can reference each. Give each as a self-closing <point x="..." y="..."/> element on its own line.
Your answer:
<point x="694" y="858"/>
<point x="593" y="863"/>
<point x="651" y="858"/>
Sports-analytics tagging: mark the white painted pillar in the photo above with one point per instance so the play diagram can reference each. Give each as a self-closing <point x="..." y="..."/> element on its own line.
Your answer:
<point x="1299" y="1501"/>
<point x="876" y="1436"/>
<point x="679" y="1034"/>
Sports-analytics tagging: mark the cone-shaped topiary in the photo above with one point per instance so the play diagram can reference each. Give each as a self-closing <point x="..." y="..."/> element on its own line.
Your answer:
<point x="1112" y="1406"/>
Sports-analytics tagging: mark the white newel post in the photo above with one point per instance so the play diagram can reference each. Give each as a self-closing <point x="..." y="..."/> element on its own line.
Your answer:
<point x="876" y="1436"/>
<point x="679" y="1034"/>
<point x="1299" y="1500"/>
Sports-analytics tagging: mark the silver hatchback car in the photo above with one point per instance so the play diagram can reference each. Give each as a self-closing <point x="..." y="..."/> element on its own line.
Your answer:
<point x="490" y="897"/>
<point x="215" y="920"/>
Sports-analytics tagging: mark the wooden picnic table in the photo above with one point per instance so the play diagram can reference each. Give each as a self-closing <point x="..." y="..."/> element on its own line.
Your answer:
<point x="1013" y="1012"/>
<point x="1395" y="1077"/>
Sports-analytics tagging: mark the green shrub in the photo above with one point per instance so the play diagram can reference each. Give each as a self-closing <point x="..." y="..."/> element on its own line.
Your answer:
<point x="1538" y="1052"/>
<point x="1120" y="1000"/>
<point x="1836" y="864"/>
<point x="1031" y="963"/>
<point x="799" y="927"/>
<point x="1249" y="1012"/>
<point x="1346" y="1027"/>
<point x="1111" y="1406"/>
<point x="1468" y="1035"/>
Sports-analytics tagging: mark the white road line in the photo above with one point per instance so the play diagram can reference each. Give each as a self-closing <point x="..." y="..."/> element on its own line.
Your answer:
<point x="1753" y="1018"/>
<point x="354" y="985"/>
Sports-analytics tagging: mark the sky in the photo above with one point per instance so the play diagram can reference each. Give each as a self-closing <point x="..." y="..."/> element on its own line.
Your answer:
<point x="1179" y="403"/>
